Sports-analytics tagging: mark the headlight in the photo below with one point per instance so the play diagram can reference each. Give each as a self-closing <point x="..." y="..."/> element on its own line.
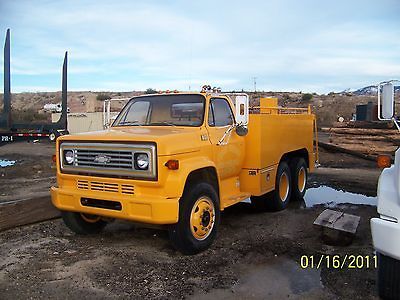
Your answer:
<point x="142" y="161"/>
<point x="69" y="157"/>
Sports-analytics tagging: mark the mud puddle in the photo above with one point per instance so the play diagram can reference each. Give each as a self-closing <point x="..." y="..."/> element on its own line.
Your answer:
<point x="6" y="163"/>
<point x="278" y="278"/>
<point x="331" y="197"/>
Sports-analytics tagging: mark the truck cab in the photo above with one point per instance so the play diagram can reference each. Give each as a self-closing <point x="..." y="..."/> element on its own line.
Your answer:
<point x="178" y="159"/>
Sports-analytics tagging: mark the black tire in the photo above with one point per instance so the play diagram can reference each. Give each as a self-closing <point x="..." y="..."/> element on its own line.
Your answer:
<point x="388" y="277"/>
<point x="261" y="203"/>
<point x="54" y="135"/>
<point x="299" y="173"/>
<point x="272" y="201"/>
<point x="76" y="222"/>
<point x="182" y="234"/>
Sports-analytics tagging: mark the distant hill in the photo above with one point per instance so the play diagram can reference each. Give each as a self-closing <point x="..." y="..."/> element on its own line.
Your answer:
<point x="327" y="107"/>
<point x="371" y="90"/>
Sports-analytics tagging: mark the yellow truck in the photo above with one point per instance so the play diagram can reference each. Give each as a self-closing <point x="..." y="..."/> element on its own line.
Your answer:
<point x="179" y="159"/>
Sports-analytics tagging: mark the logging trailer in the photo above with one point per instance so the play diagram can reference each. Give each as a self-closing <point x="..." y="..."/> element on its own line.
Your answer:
<point x="11" y="131"/>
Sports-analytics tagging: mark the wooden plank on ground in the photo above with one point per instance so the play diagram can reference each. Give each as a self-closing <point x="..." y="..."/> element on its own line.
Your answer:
<point x="360" y="131"/>
<point x="27" y="211"/>
<point x="338" y="220"/>
<point x="338" y="228"/>
<point x="335" y="148"/>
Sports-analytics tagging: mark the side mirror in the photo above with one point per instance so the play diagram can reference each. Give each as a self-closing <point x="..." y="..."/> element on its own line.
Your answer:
<point x="241" y="130"/>
<point x="241" y="108"/>
<point x="386" y="100"/>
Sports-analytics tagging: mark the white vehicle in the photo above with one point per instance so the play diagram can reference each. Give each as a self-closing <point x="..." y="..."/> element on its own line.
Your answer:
<point x="54" y="108"/>
<point x="386" y="228"/>
<point x="51" y="107"/>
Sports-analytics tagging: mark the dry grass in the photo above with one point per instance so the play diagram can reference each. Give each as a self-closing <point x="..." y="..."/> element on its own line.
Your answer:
<point x="327" y="107"/>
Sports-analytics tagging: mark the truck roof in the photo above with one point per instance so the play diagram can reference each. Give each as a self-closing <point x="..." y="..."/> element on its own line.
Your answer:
<point x="168" y="93"/>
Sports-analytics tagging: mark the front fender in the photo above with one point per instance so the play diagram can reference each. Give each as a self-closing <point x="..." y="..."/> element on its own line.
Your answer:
<point x="176" y="179"/>
<point x="388" y="199"/>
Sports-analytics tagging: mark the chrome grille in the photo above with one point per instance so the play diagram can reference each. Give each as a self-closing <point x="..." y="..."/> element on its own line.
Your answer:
<point x="107" y="159"/>
<point x="98" y="186"/>
<point x="116" y="159"/>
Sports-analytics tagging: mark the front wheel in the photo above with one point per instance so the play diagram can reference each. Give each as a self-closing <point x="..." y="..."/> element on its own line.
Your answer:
<point x="388" y="277"/>
<point x="198" y="219"/>
<point x="81" y="223"/>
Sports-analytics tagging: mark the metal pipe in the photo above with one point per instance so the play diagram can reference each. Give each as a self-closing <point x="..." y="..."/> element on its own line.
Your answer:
<point x="7" y="82"/>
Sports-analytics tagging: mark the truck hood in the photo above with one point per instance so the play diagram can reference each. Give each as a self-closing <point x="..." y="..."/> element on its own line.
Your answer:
<point x="170" y="140"/>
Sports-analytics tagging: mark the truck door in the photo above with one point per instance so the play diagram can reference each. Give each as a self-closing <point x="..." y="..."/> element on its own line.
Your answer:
<point x="228" y="155"/>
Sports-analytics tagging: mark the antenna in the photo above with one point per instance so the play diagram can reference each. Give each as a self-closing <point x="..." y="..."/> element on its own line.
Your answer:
<point x="255" y="83"/>
<point x="7" y="81"/>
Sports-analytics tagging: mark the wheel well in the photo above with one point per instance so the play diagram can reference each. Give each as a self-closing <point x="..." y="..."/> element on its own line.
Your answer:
<point x="208" y="174"/>
<point x="298" y="153"/>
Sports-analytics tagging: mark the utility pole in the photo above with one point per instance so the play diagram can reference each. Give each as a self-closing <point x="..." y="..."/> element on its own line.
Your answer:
<point x="255" y="83"/>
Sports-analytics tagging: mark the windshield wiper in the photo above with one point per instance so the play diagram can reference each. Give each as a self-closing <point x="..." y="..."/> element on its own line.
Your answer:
<point x="162" y="123"/>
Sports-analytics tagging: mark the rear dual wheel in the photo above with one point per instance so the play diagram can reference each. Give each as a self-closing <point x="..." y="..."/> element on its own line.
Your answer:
<point x="290" y="183"/>
<point x="54" y="135"/>
<point x="299" y="173"/>
<point x="280" y="197"/>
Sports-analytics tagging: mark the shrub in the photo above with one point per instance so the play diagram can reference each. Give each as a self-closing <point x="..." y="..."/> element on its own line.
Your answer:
<point x="150" y="91"/>
<point x="29" y="116"/>
<point x="103" y="96"/>
<point x="306" y="97"/>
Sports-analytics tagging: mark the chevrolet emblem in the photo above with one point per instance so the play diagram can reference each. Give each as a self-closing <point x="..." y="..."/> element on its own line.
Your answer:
<point x="103" y="159"/>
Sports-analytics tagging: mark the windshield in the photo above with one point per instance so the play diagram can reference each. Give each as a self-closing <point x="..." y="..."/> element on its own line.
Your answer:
<point x="163" y="110"/>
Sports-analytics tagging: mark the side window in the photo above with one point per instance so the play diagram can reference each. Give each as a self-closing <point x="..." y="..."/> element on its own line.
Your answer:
<point x="220" y="113"/>
<point x="138" y="112"/>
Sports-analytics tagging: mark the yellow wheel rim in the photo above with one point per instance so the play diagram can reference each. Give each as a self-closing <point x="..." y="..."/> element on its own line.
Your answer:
<point x="90" y="218"/>
<point x="283" y="187"/>
<point x="202" y="218"/>
<point x="301" y="179"/>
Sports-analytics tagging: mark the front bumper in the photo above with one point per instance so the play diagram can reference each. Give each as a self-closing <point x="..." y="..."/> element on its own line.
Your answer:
<point x="386" y="237"/>
<point x="145" y="209"/>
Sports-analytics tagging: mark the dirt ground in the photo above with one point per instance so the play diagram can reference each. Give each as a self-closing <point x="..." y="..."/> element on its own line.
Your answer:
<point x="32" y="173"/>
<point x="368" y="141"/>
<point x="255" y="256"/>
<point x="346" y="172"/>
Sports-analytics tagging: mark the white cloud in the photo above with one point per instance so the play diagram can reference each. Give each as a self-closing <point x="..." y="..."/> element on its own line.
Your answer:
<point x="127" y="45"/>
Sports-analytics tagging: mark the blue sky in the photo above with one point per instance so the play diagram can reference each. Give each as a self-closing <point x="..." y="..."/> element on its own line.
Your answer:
<point x="315" y="46"/>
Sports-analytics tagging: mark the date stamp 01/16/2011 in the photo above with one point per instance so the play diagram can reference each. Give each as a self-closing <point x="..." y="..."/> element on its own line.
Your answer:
<point x="339" y="261"/>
